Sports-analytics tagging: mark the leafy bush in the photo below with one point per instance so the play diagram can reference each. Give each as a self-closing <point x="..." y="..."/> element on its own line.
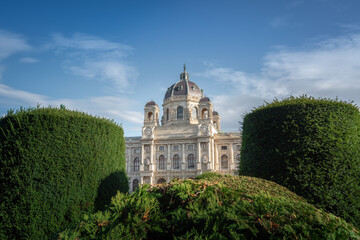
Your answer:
<point x="209" y="175"/>
<point x="227" y="207"/>
<point x="55" y="165"/>
<point x="311" y="146"/>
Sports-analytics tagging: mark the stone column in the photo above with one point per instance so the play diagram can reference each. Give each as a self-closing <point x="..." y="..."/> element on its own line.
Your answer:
<point x="152" y="162"/>
<point x="198" y="156"/>
<point x="183" y="162"/>
<point x="168" y="161"/>
<point x="231" y="166"/>
<point x="142" y="159"/>
<point x="216" y="157"/>
<point x="210" y="155"/>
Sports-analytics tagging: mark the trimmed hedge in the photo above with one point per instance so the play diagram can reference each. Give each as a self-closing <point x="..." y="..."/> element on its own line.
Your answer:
<point x="311" y="146"/>
<point x="226" y="207"/>
<point x="55" y="165"/>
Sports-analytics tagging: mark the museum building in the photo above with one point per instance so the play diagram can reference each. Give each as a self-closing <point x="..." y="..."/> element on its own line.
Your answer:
<point x="188" y="142"/>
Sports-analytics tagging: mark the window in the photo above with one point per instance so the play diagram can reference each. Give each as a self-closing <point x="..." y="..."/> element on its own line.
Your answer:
<point x="205" y="114"/>
<point x="176" y="148"/>
<point x="161" y="180"/>
<point x="167" y="114"/>
<point x="161" y="148"/>
<point x="180" y="113"/>
<point x="137" y="150"/>
<point x="190" y="147"/>
<point x="150" y="115"/>
<point x="178" y="88"/>
<point x="136" y="164"/>
<point x="224" y="162"/>
<point x="176" y="162"/>
<point x="223" y="147"/>
<point x="135" y="184"/>
<point x="191" y="161"/>
<point x="194" y="113"/>
<point x="162" y="162"/>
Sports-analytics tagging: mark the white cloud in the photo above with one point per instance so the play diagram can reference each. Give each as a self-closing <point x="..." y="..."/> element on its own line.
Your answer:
<point x="28" y="60"/>
<point x="96" y="59"/>
<point x="329" y="69"/>
<point x="11" y="43"/>
<point x="119" y="74"/>
<point x="118" y="108"/>
<point x="13" y="96"/>
<point x="88" y="42"/>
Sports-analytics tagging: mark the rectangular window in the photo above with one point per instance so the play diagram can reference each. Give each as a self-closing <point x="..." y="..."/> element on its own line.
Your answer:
<point x="176" y="148"/>
<point x="190" y="147"/>
<point x="223" y="147"/>
<point x="162" y="148"/>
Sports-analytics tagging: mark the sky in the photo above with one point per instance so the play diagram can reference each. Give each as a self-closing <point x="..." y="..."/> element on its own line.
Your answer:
<point x="109" y="58"/>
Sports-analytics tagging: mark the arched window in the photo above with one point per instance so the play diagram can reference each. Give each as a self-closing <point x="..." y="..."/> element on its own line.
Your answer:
<point x="167" y="114"/>
<point x="194" y="113"/>
<point x="162" y="162"/>
<point x="176" y="162"/>
<point x="135" y="184"/>
<point x="180" y="113"/>
<point x="205" y="114"/>
<point x="191" y="161"/>
<point x="150" y="115"/>
<point x="224" y="162"/>
<point x="215" y="125"/>
<point x="136" y="164"/>
<point x="161" y="180"/>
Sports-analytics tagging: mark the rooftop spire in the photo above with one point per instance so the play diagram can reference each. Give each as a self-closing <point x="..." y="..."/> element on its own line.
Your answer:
<point x="184" y="75"/>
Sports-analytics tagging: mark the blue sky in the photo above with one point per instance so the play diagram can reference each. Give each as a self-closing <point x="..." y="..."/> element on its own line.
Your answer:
<point x="108" y="58"/>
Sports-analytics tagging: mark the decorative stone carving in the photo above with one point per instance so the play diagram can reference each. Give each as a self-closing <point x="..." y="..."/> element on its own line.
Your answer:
<point x="205" y="159"/>
<point x="148" y="131"/>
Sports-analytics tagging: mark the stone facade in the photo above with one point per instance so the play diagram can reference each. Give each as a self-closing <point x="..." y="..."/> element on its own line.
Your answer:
<point x="187" y="143"/>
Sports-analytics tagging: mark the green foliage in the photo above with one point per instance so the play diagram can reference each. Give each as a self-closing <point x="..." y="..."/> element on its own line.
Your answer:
<point x="209" y="175"/>
<point x="311" y="146"/>
<point x="55" y="165"/>
<point x="224" y="207"/>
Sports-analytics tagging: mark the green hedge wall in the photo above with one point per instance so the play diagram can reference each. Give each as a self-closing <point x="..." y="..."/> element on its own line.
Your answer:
<point x="311" y="146"/>
<point x="55" y="165"/>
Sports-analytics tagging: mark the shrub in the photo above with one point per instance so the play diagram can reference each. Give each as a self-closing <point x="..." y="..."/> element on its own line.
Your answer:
<point x="226" y="207"/>
<point x="311" y="146"/>
<point x="55" y="165"/>
<point x="209" y="175"/>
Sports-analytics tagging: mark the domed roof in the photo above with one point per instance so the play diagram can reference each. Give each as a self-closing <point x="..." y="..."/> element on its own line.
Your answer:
<point x="151" y="103"/>
<point x="205" y="99"/>
<point x="215" y="113"/>
<point x="183" y="87"/>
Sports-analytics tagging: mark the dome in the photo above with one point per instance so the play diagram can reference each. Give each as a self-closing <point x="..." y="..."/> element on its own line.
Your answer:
<point x="205" y="99"/>
<point x="151" y="103"/>
<point x="215" y="113"/>
<point x="183" y="88"/>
